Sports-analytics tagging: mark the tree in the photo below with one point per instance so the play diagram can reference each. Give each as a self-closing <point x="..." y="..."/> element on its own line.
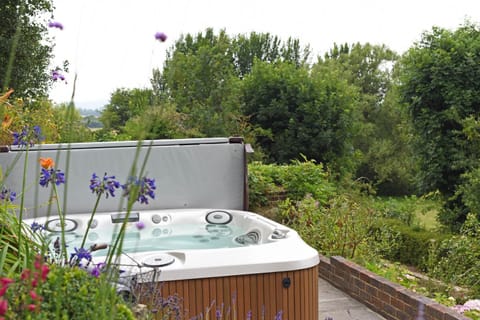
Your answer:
<point x="125" y="104"/>
<point x="440" y="83"/>
<point x="268" y="48"/>
<point x="25" y="52"/>
<point x="198" y="76"/>
<point x="304" y="113"/>
<point x="380" y="135"/>
<point x="202" y="76"/>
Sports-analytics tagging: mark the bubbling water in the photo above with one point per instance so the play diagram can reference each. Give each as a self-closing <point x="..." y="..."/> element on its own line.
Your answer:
<point x="173" y="237"/>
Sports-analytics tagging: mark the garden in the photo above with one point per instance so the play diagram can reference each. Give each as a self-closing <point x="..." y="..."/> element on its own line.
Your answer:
<point x="368" y="154"/>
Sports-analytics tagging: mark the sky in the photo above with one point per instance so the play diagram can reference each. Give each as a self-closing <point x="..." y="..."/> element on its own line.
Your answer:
<point x="111" y="44"/>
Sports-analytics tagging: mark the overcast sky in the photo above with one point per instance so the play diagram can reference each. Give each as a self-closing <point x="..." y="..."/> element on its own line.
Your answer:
<point x="110" y="44"/>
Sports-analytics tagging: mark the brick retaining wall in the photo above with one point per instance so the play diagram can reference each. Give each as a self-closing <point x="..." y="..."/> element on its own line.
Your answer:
<point x="391" y="300"/>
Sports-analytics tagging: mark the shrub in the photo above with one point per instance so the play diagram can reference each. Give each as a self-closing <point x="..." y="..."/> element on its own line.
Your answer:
<point x="456" y="260"/>
<point x="296" y="180"/>
<point x="339" y="227"/>
<point x="40" y="292"/>
<point x="396" y="241"/>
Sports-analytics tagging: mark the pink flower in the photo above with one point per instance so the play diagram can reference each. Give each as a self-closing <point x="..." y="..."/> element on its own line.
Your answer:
<point x="3" y="306"/>
<point x="33" y="295"/>
<point x="44" y="272"/>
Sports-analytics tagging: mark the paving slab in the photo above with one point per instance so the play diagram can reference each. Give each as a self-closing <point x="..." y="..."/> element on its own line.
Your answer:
<point x="335" y="304"/>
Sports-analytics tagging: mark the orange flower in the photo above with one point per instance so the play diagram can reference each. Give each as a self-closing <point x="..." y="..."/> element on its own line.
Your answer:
<point x="7" y="121"/>
<point x="4" y="97"/>
<point x="47" y="163"/>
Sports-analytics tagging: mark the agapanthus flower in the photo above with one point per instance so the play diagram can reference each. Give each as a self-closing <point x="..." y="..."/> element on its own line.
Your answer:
<point x="161" y="36"/>
<point x="146" y="188"/>
<point x="51" y="175"/>
<point x="81" y="254"/>
<point x="97" y="269"/>
<point x="35" y="226"/>
<point x="106" y="185"/>
<point x="55" y="24"/>
<point x="7" y="194"/>
<point x="140" y="225"/>
<point x="27" y="136"/>
<point x="279" y="315"/>
<point x="56" y="75"/>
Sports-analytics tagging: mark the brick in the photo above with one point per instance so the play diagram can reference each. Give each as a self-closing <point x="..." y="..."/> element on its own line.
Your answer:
<point x="385" y="297"/>
<point x="371" y="290"/>
<point x="434" y="310"/>
<point x="399" y="304"/>
<point x="390" y="310"/>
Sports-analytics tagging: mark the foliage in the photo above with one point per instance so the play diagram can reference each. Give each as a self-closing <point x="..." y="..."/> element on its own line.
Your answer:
<point x="380" y="135"/>
<point x="439" y="83"/>
<point x="402" y="243"/>
<point x="159" y="122"/>
<point x="246" y="49"/>
<point x="125" y="104"/>
<point x="18" y="113"/>
<point x="295" y="180"/>
<point x="70" y="125"/>
<point x="25" y="51"/>
<point x="41" y="294"/>
<point x="408" y="209"/>
<point x="198" y="76"/>
<point x="14" y="254"/>
<point x="305" y="113"/>
<point x="456" y="260"/>
<point x="339" y="227"/>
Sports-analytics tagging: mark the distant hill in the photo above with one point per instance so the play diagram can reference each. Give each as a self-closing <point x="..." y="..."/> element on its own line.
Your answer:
<point x="89" y="112"/>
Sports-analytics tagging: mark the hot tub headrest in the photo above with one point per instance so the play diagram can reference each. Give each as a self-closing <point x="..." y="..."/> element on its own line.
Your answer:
<point x="189" y="173"/>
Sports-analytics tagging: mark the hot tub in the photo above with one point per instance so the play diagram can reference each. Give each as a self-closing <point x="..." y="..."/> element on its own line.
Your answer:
<point x="222" y="256"/>
<point x="231" y="257"/>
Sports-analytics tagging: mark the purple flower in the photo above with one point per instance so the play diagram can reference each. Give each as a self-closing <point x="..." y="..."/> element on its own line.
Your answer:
<point x="7" y="194"/>
<point x="279" y="315"/>
<point x="106" y="185"/>
<point x="161" y="36"/>
<point x="27" y="136"/>
<point x="218" y="314"/>
<point x="140" y="225"/>
<point x="35" y="226"/>
<point x="51" y="175"/>
<point x="56" y="75"/>
<point x="55" y="24"/>
<point x="80" y="254"/>
<point x="146" y="188"/>
<point x="97" y="269"/>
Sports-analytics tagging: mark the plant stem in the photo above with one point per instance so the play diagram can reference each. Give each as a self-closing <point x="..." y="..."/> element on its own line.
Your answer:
<point x="63" y="252"/>
<point x="22" y="198"/>
<point x="91" y="219"/>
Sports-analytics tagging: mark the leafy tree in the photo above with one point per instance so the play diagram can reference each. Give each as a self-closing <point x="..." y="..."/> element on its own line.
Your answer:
<point x="202" y="76"/>
<point x="25" y="52"/>
<point x="304" y="114"/>
<point x="125" y="104"/>
<point x="440" y="83"/>
<point x="70" y="125"/>
<point x="268" y="48"/>
<point x="198" y="76"/>
<point x="159" y="122"/>
<point x="380" y="138"/>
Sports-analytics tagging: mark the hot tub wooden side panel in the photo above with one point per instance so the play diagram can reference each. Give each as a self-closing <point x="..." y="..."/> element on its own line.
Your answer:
<point x="259" y="293"/>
